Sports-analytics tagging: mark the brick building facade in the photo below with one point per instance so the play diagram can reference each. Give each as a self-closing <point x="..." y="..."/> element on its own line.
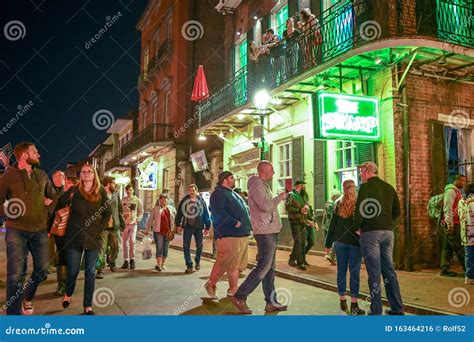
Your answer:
<point x="417" y="61"/>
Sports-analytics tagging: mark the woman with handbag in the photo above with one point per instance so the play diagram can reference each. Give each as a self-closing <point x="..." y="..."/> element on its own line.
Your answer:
<point x="57" y="232"/>
<point x="89" y="215"/>
<point x="162" y="222"/>
<point x="346" y="244"/>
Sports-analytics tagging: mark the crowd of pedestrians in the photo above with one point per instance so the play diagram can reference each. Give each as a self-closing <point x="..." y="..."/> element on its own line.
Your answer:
<point x="86" y="221"/>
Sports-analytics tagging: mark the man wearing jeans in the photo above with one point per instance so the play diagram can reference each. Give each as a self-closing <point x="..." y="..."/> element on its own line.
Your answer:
<point x="377" y="208"/>
<point x="193" y="216"/>
<point x="29" y="193"/>
<point x="266" y="225"/>
<point x="110" y="235"/>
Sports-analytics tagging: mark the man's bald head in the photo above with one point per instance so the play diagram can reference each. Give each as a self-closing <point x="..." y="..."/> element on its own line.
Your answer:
<point x="265" y="170"/>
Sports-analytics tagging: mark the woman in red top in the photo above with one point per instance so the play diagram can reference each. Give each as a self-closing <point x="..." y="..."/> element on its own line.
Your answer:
<point x="161" y="221"/>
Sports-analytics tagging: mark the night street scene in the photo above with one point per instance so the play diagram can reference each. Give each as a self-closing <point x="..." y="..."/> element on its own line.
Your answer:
<point x="238" y="158"/>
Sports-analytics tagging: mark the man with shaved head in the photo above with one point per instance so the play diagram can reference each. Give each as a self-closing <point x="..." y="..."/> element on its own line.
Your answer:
<point x="266" y="225"/>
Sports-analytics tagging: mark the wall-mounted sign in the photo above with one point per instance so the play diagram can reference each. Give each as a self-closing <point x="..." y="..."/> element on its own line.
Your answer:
<point x="347" y="117"/>
<point x="147" y="174"/>
<point x="199" y="161"/>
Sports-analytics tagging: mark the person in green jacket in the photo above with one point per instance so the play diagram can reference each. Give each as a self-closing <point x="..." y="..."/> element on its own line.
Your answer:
<point x="298" y="210"/>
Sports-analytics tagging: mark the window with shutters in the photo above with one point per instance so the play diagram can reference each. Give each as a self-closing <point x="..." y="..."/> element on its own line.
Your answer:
<point x="284" y="171"/>
<point x="346" y="167"/>
<point x="284" y="160"/>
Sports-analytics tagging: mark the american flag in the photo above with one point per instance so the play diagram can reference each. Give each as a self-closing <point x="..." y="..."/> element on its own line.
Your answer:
<point x="5" y="154"/>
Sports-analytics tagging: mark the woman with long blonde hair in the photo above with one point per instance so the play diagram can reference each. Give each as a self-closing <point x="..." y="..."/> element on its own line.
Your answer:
<point x="346" y="245"/>
<point x="90" y="213"/>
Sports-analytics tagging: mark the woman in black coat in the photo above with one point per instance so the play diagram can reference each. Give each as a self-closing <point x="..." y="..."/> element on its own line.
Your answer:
<point x="90" y="213"/>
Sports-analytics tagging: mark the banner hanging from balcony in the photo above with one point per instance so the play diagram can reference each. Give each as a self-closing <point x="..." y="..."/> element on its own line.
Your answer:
<point x="147" y="174"/>
<point x="346" y="117"/>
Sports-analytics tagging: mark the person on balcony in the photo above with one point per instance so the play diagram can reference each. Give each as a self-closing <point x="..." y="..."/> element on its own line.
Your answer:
<point x="269" y="40"/>
<point x="311" y="37"/>
<point x="255" y="77"/>
<point x="292" y="49"/>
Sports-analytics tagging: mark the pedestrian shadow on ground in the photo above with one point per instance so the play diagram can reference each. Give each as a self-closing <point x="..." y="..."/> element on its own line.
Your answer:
<point x="224" y="277"/>
<point x="212" y="307"/>
<point x="147" y="273"/>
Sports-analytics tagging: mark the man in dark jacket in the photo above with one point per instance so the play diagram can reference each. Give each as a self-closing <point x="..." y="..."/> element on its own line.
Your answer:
<point x="377" y="208"/>
<point x="231" y="222"/>
<point x="110" y="235"/>
<point x="29" y="193"/>
<point x="297" y="210"/>
<point x="193" y="216"/>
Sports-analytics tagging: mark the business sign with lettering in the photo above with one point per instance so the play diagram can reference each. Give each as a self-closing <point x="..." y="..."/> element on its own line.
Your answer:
<point x="347" y="117"/>
<point x="147" y="174"/>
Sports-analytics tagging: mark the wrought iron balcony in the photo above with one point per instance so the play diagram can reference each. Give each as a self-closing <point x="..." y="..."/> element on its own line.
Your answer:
<point x="113" y="163"/>
<point x="151" y="135"/>
<point x="336" y="31"/>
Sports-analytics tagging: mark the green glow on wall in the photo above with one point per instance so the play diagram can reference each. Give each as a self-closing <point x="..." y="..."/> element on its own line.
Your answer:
<point x="347" y="117"/>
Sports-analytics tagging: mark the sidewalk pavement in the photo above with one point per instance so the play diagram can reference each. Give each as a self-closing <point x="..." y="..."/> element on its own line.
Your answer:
<point x="423" y="292"/>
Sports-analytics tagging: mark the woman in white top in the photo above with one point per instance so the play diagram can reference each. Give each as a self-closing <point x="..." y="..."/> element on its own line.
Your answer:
<point x="161" y="220"/>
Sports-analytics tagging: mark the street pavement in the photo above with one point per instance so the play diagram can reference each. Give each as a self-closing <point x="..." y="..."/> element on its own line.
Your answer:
<point x="423" y="291"/>
<point x="145" y="291"/>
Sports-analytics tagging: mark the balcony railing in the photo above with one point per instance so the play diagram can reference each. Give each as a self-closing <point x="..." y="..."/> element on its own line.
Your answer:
<point x="336" y="31"/>
<point x="155" y="133"/>
<point x="113" y="163"/>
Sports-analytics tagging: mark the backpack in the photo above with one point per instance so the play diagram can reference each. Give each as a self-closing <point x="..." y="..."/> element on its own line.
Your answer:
<point x="435" y="207"/>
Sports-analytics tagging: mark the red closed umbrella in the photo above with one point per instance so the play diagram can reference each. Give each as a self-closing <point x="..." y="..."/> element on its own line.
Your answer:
<point x="200" y="90"/>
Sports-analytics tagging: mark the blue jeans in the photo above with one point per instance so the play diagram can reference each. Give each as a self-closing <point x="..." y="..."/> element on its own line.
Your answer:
<point x="161" y="245"/>
<point x="188" y="233"/>
<point x="469" y="255"/>
<point x="264" y="272"/>
<point x="19" y="243"/>
<point x="348" y="256"/>
<point x="73" y="265"/>
<point x="377" y="250"/>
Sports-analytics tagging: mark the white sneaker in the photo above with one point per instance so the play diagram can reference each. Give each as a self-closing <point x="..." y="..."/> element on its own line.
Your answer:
<point x="27" y="308"/>
<point x="211" y="290"/>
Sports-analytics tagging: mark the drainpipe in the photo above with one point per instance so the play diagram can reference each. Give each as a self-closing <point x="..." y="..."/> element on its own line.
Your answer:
<point x="406" y="179"/>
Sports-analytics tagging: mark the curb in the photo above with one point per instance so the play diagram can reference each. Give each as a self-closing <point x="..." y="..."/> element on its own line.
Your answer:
<point x="409" y="307"/>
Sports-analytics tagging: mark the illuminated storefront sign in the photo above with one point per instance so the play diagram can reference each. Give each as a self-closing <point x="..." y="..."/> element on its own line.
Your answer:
<point x="347" y="117"/>
<point x="147" y="174"/>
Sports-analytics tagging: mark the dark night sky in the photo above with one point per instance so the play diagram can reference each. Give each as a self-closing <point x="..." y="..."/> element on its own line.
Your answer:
<point x="66" y="82"/>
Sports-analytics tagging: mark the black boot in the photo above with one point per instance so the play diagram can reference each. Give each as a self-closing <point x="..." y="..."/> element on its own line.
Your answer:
<point x="132" y="264"/>
<point x="343" y="305"/>
<point x="355" y="310"/>
<point x="125" y="265"/>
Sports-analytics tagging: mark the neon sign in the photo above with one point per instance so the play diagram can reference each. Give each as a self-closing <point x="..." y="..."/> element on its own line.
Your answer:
<point x="148" y="174"/>
<point x="347" y="117"/>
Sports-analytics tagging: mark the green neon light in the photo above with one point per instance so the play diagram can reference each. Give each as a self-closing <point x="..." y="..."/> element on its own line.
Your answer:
<point x="347" y="117"/>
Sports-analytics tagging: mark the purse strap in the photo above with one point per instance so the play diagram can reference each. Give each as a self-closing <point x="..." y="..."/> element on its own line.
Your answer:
<point x="69" y="201"/>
